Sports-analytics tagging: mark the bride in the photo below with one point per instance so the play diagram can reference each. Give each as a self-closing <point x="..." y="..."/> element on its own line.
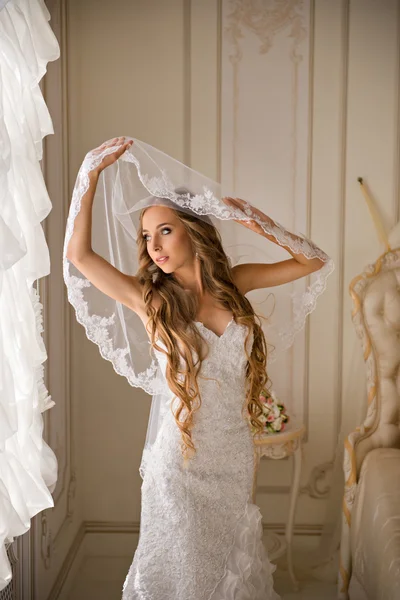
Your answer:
<point x="200" y="534"/>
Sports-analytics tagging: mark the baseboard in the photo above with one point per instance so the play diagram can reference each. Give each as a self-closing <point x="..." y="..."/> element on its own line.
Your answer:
<point x="134" y="527"/>
<point x="300" y="529"/>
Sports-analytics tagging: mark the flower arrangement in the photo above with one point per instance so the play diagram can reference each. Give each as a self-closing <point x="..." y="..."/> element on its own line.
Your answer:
<point x="274" y="415"/>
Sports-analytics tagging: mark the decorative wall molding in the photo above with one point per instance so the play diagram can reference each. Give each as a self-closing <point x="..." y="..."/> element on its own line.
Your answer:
<point x="265" y="23"/>
<point x="345" y="24"/>
<point x="306" y="390"/>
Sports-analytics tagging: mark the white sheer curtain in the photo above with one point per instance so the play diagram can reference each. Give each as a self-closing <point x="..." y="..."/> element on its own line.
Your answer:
<point x="28" y="466"/>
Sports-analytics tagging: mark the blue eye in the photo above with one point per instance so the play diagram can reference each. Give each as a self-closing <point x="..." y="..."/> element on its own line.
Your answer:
<point x="163" y="229"/>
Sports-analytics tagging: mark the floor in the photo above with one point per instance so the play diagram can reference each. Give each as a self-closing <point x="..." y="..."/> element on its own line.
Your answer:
<point x="102" y="578"/>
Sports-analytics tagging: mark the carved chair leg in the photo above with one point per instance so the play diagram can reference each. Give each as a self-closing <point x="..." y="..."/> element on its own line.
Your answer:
<point x="294" y="492"/>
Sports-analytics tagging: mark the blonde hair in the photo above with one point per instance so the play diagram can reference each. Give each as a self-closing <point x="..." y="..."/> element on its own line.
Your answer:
<point x="178" y="309"/>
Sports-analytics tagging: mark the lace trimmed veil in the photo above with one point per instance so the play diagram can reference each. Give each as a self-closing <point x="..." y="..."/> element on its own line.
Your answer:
<point x="144" y="176"/>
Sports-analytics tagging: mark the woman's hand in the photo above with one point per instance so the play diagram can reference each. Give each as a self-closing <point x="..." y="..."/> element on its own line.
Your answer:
<point x="111" y="158"/>
<point x="245" y="208"/>
<point x="249" y="223"/>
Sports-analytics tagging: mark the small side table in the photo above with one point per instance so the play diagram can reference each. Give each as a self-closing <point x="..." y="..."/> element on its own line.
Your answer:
<point x="278" y="446"/>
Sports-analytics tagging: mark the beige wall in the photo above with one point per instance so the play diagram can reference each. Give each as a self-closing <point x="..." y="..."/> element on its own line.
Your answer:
<point x="152" y="69"/>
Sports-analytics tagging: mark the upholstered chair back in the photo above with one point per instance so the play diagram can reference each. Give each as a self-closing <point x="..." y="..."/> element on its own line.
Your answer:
<point x="376" y="317"/>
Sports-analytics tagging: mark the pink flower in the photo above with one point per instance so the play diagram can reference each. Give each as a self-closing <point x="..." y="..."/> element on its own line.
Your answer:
<point x="270" y="401"/>
<point x="270" y="418"/>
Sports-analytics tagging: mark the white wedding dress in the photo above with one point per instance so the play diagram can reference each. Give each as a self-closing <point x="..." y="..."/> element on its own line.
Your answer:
<point x="200" y="534"/>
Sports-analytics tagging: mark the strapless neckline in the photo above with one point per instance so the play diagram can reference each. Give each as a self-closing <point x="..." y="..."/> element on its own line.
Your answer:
<point x="210" y="335"/>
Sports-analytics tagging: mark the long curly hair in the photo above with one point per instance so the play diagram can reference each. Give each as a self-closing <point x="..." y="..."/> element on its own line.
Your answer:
<point x="173" y="324"/>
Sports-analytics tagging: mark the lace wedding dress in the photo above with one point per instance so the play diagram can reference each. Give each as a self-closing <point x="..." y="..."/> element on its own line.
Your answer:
<point x="200" y="534"/>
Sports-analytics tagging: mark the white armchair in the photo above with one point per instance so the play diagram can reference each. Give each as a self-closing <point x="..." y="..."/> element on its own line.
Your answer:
<point x="370" y="544"/>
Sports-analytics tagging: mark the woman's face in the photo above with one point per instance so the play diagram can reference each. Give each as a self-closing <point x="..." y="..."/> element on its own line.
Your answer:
<point x="166" y="236"/>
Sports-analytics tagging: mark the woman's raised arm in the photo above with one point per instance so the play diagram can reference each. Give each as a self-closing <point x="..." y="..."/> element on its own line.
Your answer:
<point x="123" y="288"/>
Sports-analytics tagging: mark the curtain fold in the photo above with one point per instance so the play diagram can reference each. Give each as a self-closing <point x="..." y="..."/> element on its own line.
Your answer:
<point x="28" y="466"/>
